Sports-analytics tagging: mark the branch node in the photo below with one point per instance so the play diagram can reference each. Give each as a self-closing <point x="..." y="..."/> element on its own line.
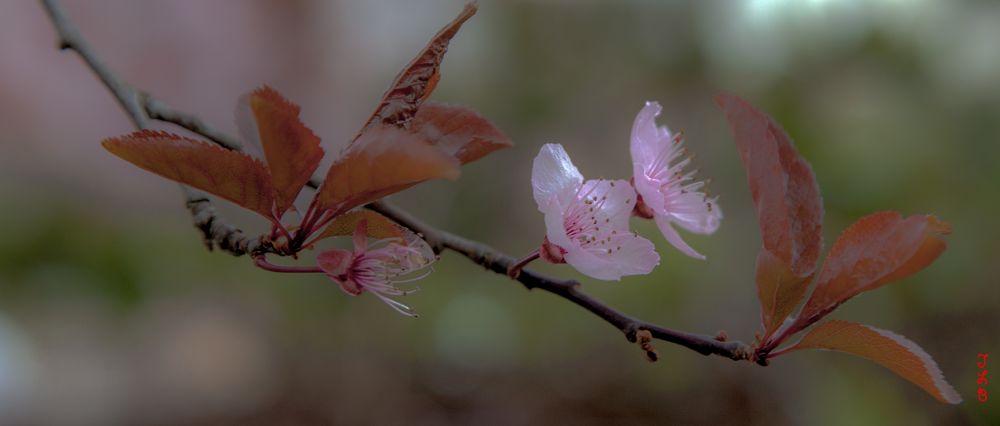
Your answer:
<point x="645" y="339"/>
<point x="144" y="99"/>
<point x="722" y="336"/>
<point x="758" y="356"/>
<point x="631" y="330"/>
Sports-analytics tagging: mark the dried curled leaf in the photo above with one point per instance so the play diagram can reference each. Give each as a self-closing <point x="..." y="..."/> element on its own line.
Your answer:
<point x="231" y="175"/>
<point x="886" y="348"/>
<point x="459" y="131"/>
<point x="789" y="207"/>
<point x="417" y="80"/>
<point x="383" y="161"/>
<point x="378" y="226"/>
<point x="877" y="249"/>
<point x="291" y="149"/>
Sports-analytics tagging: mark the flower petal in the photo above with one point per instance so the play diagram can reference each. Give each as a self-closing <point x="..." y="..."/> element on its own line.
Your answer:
<point x="693" y="212"/>
<point x="555" y="228"/>
<point x="614" y="201"/>
<point x="630" y="255"/>
<point x="649" y="189"/>
<point x="360" y="237"/>
<point x="335" y="263"/>
<point x="422" y="254"/>
<point x="674" y="238"/>
<point x="647" y="144"/>
<point x="636" y="255"/>
<point x="663" y="186"/>
<point x="647" y="139"/>
<point x="553" y="174"/>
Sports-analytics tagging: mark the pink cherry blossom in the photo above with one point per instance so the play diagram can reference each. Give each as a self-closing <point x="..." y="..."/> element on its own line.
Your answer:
<point x="668" y="193"/>
<point x="587" y="223"/>
<point x="378" y="268"/>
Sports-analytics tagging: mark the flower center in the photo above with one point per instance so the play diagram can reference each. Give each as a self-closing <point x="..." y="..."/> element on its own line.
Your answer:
<point x="587" y="222"/>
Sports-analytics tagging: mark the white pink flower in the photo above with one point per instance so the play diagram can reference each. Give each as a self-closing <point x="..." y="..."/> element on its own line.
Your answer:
<point x="378" y="268"/>
<point x="668" y="193"/>
<point x="587" y="223"/>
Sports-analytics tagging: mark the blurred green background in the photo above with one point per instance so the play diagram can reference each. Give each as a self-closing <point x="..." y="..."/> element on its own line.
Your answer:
<point x="111" y="310"/>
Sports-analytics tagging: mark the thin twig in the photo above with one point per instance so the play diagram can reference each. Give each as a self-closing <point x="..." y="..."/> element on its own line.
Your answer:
<point x="141" y="108"/>
<point x="70" y="38"/>
<point x="157" y="110"/>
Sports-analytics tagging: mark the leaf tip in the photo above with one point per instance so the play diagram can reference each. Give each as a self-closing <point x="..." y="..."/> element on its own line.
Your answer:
<point x="108" y="143"/>
<point x="890" y="350"/>
<point x="267" y="95"/>
<point x="470" y="9"/>
<point x="452" y="170"/>
<point x="945" y="392"/>
<point x="723" y="98"/>
<point x="938" y="226"/>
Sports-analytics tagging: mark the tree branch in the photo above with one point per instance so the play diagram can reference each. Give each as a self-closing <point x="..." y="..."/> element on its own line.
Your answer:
<point x="499" y="262"/>
<point x="157" y="110"/>
<point x="70" y="38"/>
<point x="141" y="108"/>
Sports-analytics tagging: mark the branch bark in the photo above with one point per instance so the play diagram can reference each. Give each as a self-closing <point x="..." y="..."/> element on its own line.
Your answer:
<point x="141" y="108"/>
<point x="499" y="262"/>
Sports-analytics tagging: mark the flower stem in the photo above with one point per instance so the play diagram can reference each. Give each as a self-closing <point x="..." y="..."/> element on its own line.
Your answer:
<point x="515" y="270"/>
<point x="262" y="263"/>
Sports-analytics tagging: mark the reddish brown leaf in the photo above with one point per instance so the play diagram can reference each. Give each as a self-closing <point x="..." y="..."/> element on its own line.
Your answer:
<point x="789" y="208"/>
<point x="228" y="174"/>
<point x="874" y="251"/>
<point x="886" y="348"/>
<point x="291" y="149"/>
<point x="417" y="80"/>
<point x="459" y="131"/>
<point x="379" y="226"/>
<point x="384" y="160"/>
<point x="778" y="289"/>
